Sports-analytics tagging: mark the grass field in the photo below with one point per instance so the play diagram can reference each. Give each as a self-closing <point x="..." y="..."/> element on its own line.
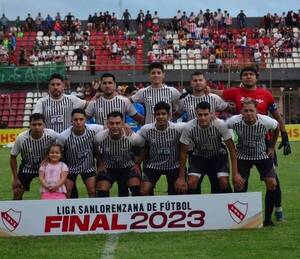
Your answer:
<point x="281" y="241"/>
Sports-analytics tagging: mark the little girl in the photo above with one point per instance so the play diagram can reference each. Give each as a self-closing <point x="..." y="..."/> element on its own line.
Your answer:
<point x="53" y="174"/>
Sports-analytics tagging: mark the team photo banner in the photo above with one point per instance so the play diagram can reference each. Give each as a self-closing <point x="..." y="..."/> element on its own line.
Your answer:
<point x="138" y="214"/>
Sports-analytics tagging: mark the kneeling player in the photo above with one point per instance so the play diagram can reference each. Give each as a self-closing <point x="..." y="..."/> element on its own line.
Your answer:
<point x="161" y="150"/>
<point x="209" y="156"/>
<point x="79" y="151"/>
<point x="251" y="129"/>
<point x="115" y="147"/>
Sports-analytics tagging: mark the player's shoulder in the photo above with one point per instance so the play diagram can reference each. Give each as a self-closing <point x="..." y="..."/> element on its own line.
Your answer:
<point x="51" y="133"/>
<point x="265" y="119"/>
<point x="100" y="136"/>
<point x="24" y="134"/>
<point x="234" y="119"/>
<point x="122" y="98"/>
<point x="148" y="127"/>
<point x="95" y="127"/>
<point x="190" y="124"/>
<point x="65" y="134"/>
<point x="179" y="126"/>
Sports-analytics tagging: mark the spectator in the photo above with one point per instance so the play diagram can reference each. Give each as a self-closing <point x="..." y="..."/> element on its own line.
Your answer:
<point x="148" y="20"/>
<point x="140" y="20"/>
<point x="22" y="58"/>
<point x="126" y="19"/>
<point x="241" y="19"/>
<point x="29" y="23"/>
<point x="38" y="22"/>
<point x="3" y="23"/>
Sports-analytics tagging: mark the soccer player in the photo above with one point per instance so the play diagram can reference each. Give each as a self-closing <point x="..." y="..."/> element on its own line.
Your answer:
<point x="161" y="151"/>
<point x="115" y="146"/>
<point x="265" y="104"/>
<point x="110" y="101"/>
<point x="189" y="102"/>
<point x="156" y="92"/>
<point x="57" y="108"/>
<point x="78" y="144"/>
<point x="251" y="129"/>
<point x="33" y="145"/>
<point x="206" y="133"/>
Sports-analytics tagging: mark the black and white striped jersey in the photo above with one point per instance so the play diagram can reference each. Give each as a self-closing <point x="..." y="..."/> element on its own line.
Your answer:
<point x="116" y="152"/>
<point x="163" y="146"/>
<point x="58" y="112"/>
<point x="79" y="150"/>
<point x="189" y="103"/>
<point x="101" y="107"/>
<point x="251" y="138"/>
<point x="150" y="96"/>
<point x="207" y="142"/>
<point x="33" y="151"/>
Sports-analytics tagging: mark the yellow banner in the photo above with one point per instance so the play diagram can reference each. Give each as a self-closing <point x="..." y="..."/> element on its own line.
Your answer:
<point x="9" y="135"/>
<point x="293" y="131"/>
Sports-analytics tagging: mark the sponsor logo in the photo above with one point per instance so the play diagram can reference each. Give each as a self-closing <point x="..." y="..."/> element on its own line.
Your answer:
<point x="11" y="219"/>
<point x="238" y="211"/>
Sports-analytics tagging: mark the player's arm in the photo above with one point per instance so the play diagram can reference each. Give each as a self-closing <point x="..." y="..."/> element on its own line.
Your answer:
<point x="284" y="136"/>
<point x="42" y="179"/>
<point x="140" y="158"/>
<point x="180" y="184"/>
<point x="208" y="90"/>
<point x="237" y="180"/>
<point x="140" y="119"/>
<point x="274" y="137"/>
<point x="14" y="170"/>
<point x="62" y="180"/>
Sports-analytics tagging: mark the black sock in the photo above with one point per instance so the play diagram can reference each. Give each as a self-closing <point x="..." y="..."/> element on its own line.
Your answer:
<point x="102" y="194"/>
<point x="277" y="194"/>
<point x="135" y="190"/>
<point x="193" y="191"/>
<point x="74" y="192"/>
<point x="269" y="204"/>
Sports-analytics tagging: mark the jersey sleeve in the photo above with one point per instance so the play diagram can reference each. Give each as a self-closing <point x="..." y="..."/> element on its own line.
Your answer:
<point x="272" y="106"/>
<point x="231" y="121"/>
<point x="16" y="149"/>
<point x="90" y="109"/>
<point x="223" y="129"/>
<point x="38" y="107"/>
<point x="221" y="105"/>
<point x="137" y="139"/>
<point x="175" y="95"/>
<point x="77" y="102"/>
<point x="96" y="127"/>
<point x="130" y="109"/>
<point x="180" y="108"/>
<point x="185" y="136"/>
<point x="138" y="97"/>
<point x="269" y="123"/>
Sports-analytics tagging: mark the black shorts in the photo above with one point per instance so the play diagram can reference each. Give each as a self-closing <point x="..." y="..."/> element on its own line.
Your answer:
<point x="121" y="175"/>
<point x="265" y="167"/>
<point x="199" y="166"/>
<point x="84" y="176"/>
<point x="26" y="178"/>
<point x="153" y="175"/>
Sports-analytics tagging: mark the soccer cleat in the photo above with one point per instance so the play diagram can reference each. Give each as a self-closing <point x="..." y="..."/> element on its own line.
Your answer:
<point x="269" y="223"/>
<point x="279" y="215"/>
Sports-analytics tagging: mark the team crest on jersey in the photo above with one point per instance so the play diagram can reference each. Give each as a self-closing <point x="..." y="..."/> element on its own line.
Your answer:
<point x="11" y="219"/>
<point x="238" y="211"/>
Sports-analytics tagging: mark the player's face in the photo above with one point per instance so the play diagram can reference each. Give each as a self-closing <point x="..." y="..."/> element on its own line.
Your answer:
<point x="249" y="113"/>
<point x="198" y="83"/>
<point x="115" y="125"/>
<point x="37" y="127"/>
<point x="249" y="79"/>
<point x="56" y="88"/>
<point x="108" y="85"/>
<point x="54" y="154"/>
<point x="161" y="117"/>
<point x="78" y="121"/>
<point x="204" y="117"/>
<point x="156" y="76"/>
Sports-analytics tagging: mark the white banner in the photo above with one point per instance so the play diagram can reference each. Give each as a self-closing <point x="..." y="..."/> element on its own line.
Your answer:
<point x="140" y="214"/>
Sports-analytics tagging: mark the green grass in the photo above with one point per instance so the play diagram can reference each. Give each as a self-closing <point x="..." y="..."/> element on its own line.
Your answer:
<point x="281" y="241"/>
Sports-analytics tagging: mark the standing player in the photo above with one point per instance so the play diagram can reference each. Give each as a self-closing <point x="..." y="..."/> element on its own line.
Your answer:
<point x="110" y="101"/>
<point x="33" y="146"/>
<point x="251" y="129"/>
<point x="265" y="103"/>
<point x="161" y="149"/>
<point x="115" y="147"/>
<point x="156" y="92"/>
<point x="189" y="102"/>
<point x="57" y="108"/>
<point x="209" y="155"/>
<point x="78" y="143"/>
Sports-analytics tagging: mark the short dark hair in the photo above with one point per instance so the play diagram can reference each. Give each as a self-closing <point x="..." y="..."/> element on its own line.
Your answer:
<point x="108" y="75"/>
<point x="162" y="106"/>
<point x="36" y="116"/>
<point x="78" y="110"/>
<point x="249" y="68"/>
<point x="156" y="65"/>
<point x="197" y="73"/>
<point x="249" y="100"/>
<point x="115" y="114"/>
<point x="203" y="105"/>
<point x="130" y="89"/>
<point x="56" y="76"/>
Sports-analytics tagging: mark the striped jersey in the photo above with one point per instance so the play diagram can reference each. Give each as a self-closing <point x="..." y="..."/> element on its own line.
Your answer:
<point x="150" y="96"/>
<point x="33" y="151"/>
<point x="116" y="152"/>
<point x="101" y="107"/>
<point x="163" y="146"/>
<point x="189" y="103"/>
<point x="79" y="150"/>
<point x="251" y="138"/>
<point x="207" y="142"/>
<point x="58" y="112"/>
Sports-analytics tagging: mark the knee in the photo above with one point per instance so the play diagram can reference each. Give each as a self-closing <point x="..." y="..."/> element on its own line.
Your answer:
<point x="193" y="183"/>
<point x="18" y="193"/>
<point x="223" y="182"/>
<point x="271" y="185"/>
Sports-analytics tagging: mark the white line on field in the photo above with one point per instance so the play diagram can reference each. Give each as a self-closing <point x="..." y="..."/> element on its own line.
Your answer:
<point x="110" y="246"/>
